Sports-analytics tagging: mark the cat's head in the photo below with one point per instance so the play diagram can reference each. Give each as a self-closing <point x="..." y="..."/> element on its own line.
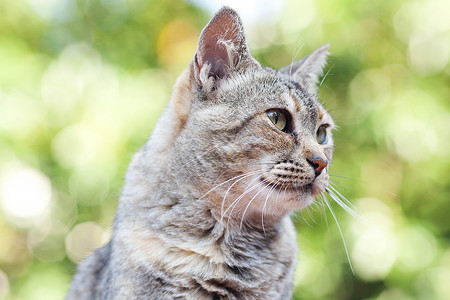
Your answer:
<point x="250" y="139"/>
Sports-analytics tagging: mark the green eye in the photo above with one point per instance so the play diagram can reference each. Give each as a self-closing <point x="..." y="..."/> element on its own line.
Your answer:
<point x="321" y="135"/>
<point x="278" y="118"/>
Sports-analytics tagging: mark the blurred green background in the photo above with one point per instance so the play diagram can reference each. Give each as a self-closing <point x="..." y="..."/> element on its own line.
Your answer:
<point x="82" y="83"/>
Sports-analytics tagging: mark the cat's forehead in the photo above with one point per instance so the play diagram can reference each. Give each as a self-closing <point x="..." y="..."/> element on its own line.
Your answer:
<point x="269" y="89"/>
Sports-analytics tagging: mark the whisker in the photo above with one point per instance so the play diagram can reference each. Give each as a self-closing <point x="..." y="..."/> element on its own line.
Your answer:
<point x="237" y="200"/>
<point x="340" y="231"/>
<point x="345" y="204"/>
<point x="265" y="202"/>
<point x="294" y="56"/>
<point x="322" y="198"/>
<point x="348" y="178"/>
<point x="323" y="79"/>
<point x="234" y="203"/>
<point x="315" y="205"/>
<point x="248" y="205"/>
<point x="303" y="218"/>
<point x="280" y="192"/>
<point x="310" y="215"/>
<point x="219" y="185"/>
<point x="229" y="188"/>
<point x="363" y="182"/>
<point x="336" y="183"/>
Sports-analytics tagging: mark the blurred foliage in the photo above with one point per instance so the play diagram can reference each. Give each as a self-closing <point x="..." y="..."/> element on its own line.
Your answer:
<point x="82" y="83"/>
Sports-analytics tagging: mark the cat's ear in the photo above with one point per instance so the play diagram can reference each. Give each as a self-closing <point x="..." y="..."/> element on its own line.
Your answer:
<point x="221" y="49"/>
<point x="308" y="70"/>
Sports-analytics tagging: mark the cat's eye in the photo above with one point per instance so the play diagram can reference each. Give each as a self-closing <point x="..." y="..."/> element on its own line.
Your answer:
<point x="321" y="135"/>
<point x="279" y="118"/>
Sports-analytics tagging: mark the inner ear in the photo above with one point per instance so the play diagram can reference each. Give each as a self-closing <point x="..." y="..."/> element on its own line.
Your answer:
<point x="221" y="47"/>
<point x="218" y="58"/>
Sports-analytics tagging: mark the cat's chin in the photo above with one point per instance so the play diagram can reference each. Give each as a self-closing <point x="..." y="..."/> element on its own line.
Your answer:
<point x="299" y="197"/>
<point x="319" y="185"/>
<point x="314" y="188"/>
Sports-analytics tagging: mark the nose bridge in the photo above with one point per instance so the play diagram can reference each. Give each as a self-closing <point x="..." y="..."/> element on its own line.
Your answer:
<point x="310" y="148"/>
<point x="313" y="153"/>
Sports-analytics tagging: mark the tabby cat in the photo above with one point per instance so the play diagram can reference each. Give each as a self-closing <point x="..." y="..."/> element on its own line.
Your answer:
<point x="204" y="213"/>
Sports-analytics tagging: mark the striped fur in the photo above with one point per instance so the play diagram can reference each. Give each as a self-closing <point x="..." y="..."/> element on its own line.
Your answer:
<point x="204" y="213"/>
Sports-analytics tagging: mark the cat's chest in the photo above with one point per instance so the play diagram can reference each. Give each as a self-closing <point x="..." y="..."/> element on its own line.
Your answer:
<point x="239" y="257"/>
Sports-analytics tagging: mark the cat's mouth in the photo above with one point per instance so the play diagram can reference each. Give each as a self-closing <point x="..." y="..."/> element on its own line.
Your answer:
<point x="284" y="186"/>
<point x="313" y="188"/>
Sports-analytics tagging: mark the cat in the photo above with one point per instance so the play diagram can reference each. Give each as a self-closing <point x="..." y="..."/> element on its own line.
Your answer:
<point x="205" y="209"/>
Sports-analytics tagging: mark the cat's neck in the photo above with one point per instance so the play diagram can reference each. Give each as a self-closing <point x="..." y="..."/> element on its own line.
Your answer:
<point x="161" y="222"/>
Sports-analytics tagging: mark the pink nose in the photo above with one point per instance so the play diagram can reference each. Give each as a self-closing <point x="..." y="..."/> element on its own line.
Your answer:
<point x="318" y="164"/>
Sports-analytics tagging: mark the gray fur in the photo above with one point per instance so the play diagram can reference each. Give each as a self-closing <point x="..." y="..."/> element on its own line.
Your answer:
<point x="204" y="213"/>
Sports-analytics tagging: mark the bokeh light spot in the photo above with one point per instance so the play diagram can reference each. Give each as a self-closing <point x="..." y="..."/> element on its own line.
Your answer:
<point x="299" y="15"/>
<point x="76" y="145"/>
<point x="85" y="238"/>
<point x="25" y="196"/>
<point x="415" y="242"/>
<point x="375" y="249"/>
<point x="429" y="54"/>
<point x="416" y="116"/>
<point x="54" y="10"/>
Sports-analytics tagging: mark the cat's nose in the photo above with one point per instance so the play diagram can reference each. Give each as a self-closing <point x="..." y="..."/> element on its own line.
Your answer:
<point x="318" y="164"/>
